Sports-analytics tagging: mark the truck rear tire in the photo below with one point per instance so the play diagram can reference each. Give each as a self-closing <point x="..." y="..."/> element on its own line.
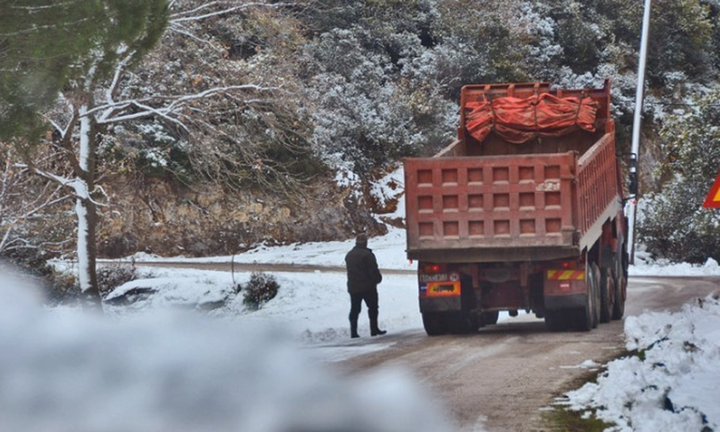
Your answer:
<point x="607" y="295"/>
<point x="556" y="320"/>
<point x="586" y="317"/>
<point x="620" y="279"/>
<point x="490" y="318"/>
<point x="434" y="323"/>
<point x="620" y="295"/>
<point x="463" y="322"/>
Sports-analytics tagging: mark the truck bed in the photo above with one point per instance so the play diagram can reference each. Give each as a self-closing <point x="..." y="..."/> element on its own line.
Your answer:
<point x="509" y="207"/>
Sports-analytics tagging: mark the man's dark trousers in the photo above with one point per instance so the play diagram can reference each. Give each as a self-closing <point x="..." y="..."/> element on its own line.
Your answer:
<point x="371" y="301"/>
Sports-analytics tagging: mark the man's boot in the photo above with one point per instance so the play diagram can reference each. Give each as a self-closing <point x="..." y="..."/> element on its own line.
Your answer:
<point x="353" y="329"/>
<point x="377" y="332"/>
<point x="374" y="329"/>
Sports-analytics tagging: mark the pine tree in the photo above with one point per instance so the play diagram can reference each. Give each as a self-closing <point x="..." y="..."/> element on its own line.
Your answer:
<point x="71" y="50"/>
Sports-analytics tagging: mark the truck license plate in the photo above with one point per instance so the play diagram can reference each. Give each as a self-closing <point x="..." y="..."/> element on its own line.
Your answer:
<point x="443" y="289"/>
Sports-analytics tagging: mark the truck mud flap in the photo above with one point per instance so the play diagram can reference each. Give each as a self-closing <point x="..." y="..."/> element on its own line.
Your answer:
<point x="446" y="304"/>
<point x="565" y="289"/>
<point x="569" y="301"/>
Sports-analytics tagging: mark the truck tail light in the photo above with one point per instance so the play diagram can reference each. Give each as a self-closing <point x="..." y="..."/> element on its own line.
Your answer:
<point x="432" y="268"/>
<point x="568" y="265"/>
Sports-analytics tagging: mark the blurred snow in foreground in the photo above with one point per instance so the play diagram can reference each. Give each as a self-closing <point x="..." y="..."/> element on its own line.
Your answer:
<point x="62" y="369"/>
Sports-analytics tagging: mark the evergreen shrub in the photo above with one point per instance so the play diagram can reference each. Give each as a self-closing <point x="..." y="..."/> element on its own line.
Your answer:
<point x="261" y="288"/>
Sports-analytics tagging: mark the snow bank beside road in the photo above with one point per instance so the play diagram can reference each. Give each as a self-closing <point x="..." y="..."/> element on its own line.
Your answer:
<point x="672" y="383"/>
<point x="645" y="266"/>
<point x="313" y="307"/>
<point x="389" y="250"/>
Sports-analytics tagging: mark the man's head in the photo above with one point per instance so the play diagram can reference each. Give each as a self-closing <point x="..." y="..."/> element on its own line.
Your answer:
<point x="361" y="240"/>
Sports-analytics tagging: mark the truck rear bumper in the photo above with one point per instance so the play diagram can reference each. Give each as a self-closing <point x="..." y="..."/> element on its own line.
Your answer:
<point x="507" y="252"/>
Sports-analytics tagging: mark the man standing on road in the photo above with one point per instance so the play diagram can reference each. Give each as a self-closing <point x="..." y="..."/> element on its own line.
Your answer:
<point x="363" y="276"/>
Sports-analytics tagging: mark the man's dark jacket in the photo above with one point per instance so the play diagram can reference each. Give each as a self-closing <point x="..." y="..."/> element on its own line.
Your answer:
<point x="363" y="274"/>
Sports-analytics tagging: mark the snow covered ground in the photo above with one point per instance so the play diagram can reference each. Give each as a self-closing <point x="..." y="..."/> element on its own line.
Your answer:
<point x="254" y="370"/>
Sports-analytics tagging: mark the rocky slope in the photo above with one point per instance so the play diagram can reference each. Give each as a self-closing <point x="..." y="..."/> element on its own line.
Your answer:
<point x="160" y="218"/>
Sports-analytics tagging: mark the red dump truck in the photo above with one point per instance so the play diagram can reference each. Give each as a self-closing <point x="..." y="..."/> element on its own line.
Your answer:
<point x="524" y="211"/>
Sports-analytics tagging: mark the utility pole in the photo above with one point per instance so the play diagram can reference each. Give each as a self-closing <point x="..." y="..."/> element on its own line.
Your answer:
<point x="639" y="97"/>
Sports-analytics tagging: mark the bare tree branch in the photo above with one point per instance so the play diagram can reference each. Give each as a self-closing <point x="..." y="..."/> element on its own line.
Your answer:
<point x="178" y="28"/>
<point x="23" y="199"/>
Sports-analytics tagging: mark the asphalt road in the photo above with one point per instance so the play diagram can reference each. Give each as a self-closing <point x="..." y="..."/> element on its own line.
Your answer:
<point x="504" y="377"/>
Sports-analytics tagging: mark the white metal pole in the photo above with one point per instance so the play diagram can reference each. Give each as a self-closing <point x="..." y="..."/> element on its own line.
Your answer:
<point x="639" y="95"/>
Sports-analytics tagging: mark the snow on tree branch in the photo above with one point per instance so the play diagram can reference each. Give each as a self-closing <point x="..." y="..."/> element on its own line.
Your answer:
<point x="164" y="112"/>
<point x="40" y="28"/>
<point x="41" y="7"/>
<point x="119" y="71"/>
<point x="112" y="111"/>
<point x="199" y="13"/>
<point x="63" y="181"/>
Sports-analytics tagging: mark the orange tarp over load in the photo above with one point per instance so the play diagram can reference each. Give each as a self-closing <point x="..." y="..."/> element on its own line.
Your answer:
<point x="520" y="120"/>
